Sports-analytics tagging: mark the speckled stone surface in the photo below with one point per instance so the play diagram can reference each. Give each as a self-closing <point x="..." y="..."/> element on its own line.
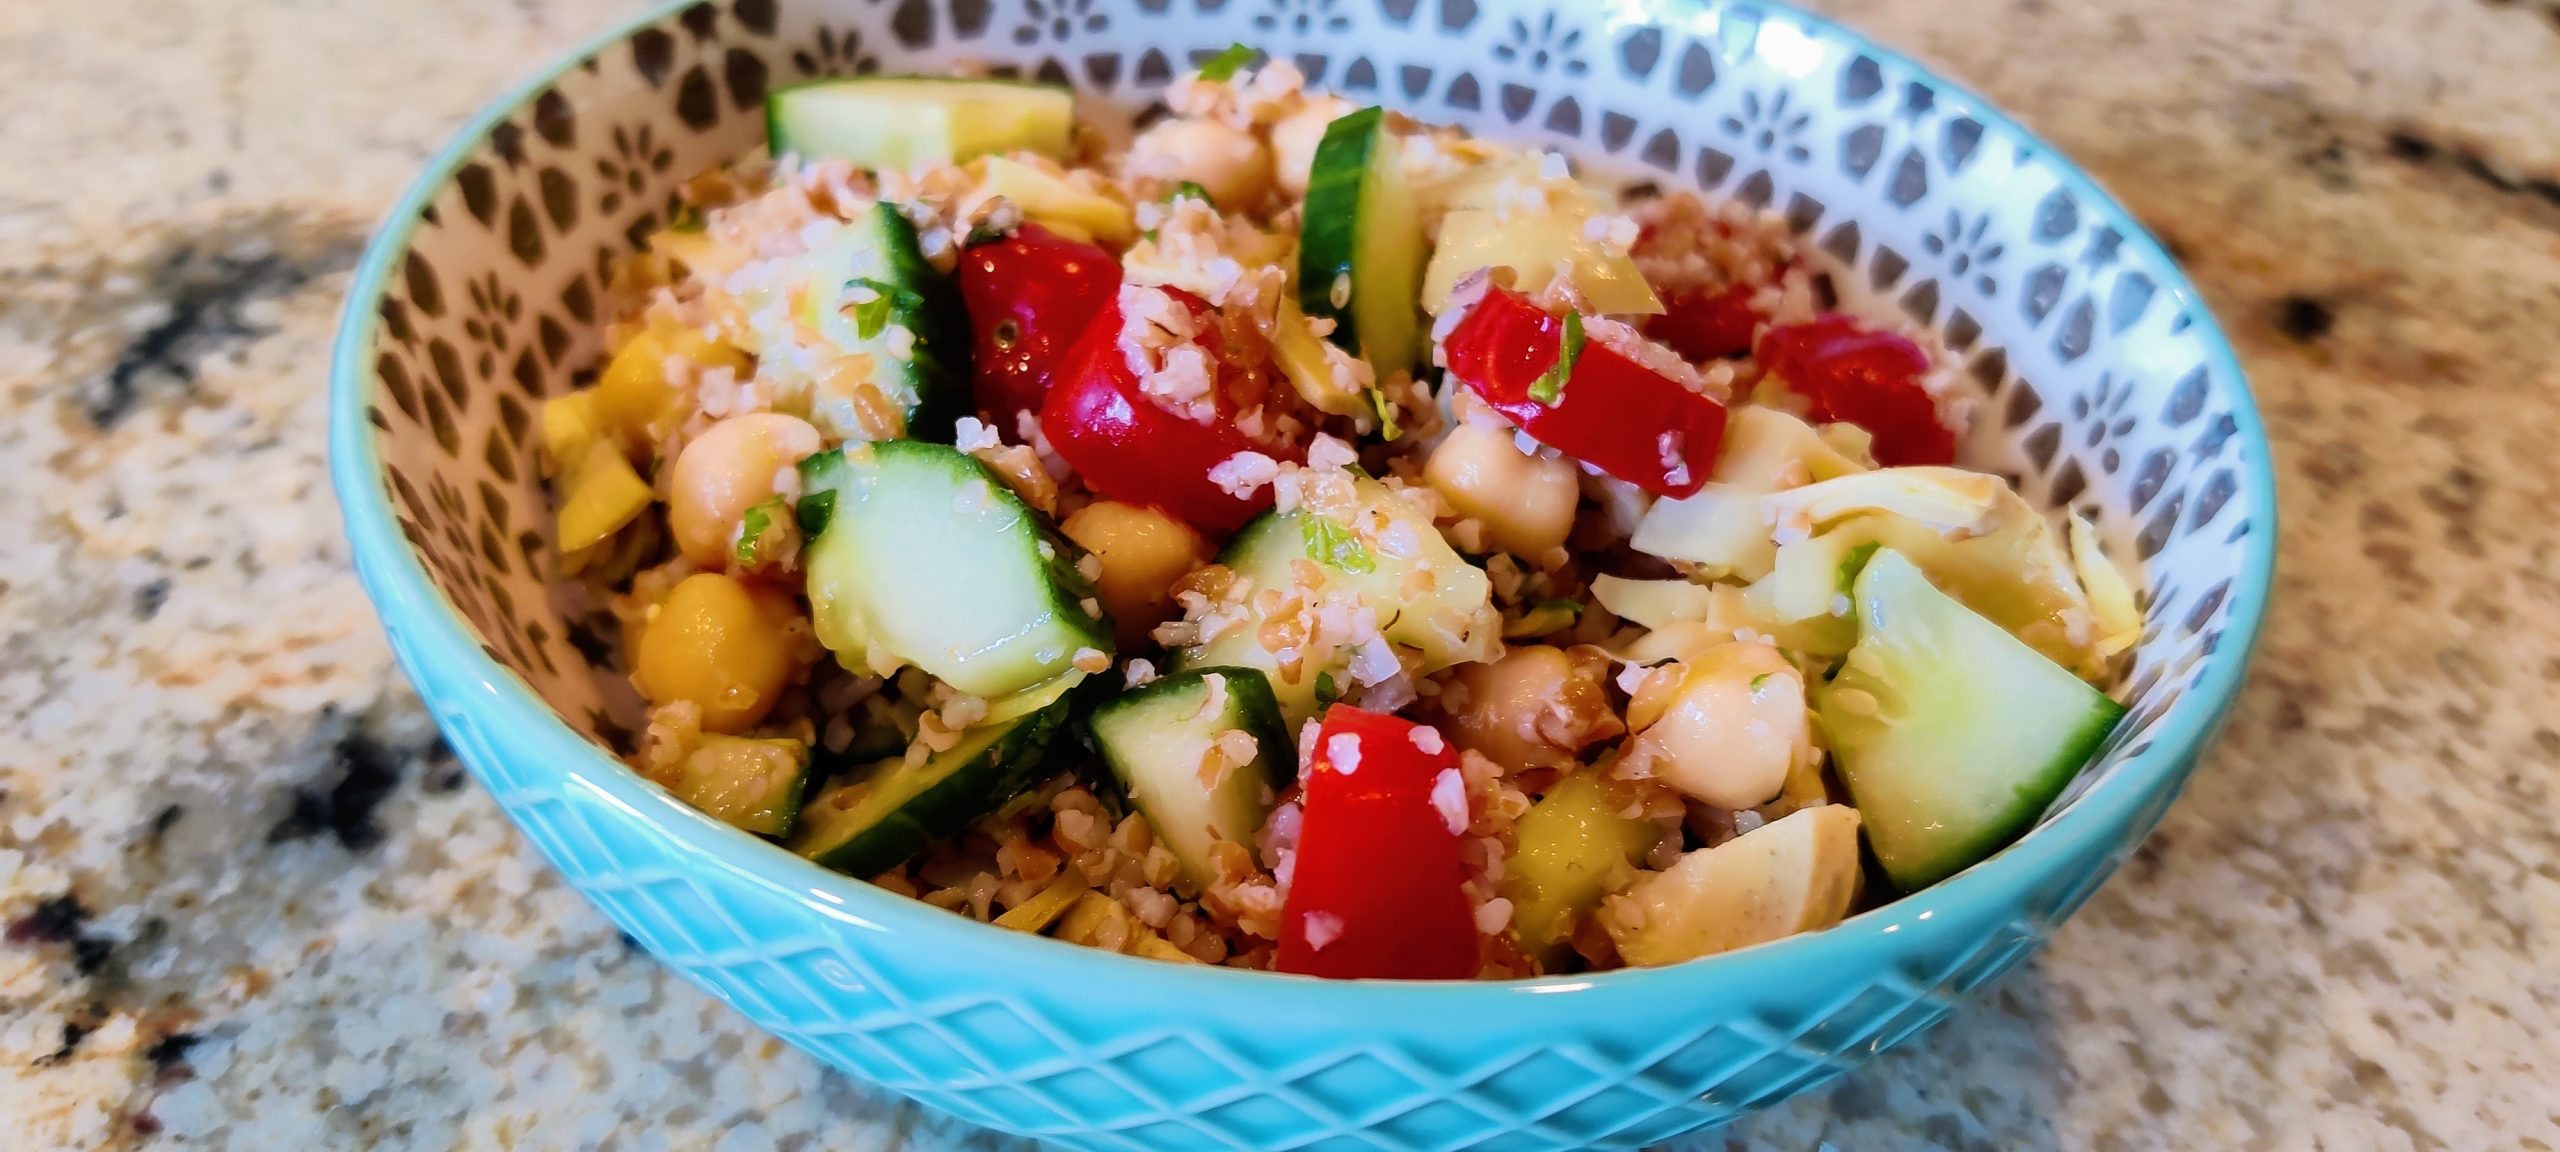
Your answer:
<point x="249" y="903"/>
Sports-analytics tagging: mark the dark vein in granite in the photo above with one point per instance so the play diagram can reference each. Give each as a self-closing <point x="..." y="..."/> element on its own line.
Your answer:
<point x="170" y="1051"/>
<point x="63" y="920"/>
<point x="2303" y="318"/>
<point x="73" y="1032"/>
<point x="206" y="282"/>
<point x="148" y="599"/>
<point x="444" y="769"/>
<point x="367" y="771"/>
<point x="164" y="820"/>
<point x="2418" y="150"/>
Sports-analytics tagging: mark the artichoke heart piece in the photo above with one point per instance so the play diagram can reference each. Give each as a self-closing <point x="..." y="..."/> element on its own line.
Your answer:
<point x="1951" y="501"/>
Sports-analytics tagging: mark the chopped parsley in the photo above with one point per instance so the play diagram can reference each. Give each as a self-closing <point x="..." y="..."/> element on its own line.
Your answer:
<point x="1222" y="67"/>
<point x="1856" y="563"/>
<point x="871" y="317"/>
<point x="1330" y="543"/>
<point x="1548" y="388"/>
<point x="1187" y="190"/>
<point x="1760" y="679"/>
<point x="1574" y="607"/>
<point x="751" y="530"/>
<point x="1326" y="691"/>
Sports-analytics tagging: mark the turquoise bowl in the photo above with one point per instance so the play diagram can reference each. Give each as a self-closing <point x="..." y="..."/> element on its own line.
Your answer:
<point x="2104" y="386"/>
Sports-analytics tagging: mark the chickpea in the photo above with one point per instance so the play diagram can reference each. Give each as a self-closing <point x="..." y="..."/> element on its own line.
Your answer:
<point x="1525" y="503"/>
<point x="1294" y="138"/>
<point x="1142" y="552"/>
<point x="1734" y="729"/>
<point x="1231" y="164"/>
<point x="725" y="471"/>
<point x="721" y="644"/>
<point x="1535" y="707"/>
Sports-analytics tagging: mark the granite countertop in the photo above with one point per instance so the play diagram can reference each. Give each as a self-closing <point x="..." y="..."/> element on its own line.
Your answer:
<point x="249" y="902"/>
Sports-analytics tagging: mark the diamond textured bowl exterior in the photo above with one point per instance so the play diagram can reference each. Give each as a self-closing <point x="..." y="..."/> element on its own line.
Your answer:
<point x="2102" y="383"/>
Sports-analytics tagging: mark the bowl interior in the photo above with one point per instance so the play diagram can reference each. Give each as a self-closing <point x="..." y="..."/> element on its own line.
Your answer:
<point x="2103" y="384"/>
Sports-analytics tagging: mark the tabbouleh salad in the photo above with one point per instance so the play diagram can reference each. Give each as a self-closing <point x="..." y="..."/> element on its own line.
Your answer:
<point x="1304" y="538"/>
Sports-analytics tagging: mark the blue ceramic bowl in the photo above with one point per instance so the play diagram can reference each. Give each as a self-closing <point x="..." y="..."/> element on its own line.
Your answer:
<point x="2105" y="387"/>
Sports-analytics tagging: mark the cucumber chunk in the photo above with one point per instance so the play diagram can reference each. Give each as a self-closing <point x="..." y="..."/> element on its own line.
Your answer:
<point x="1155" y="738"/>
<point x="1449" y="617"/>
<point x="744" y="782"/>
<point x="883" y="816"/>
<point x="925" y="553"/>
<point x="867" y="291"/>
<point x="1360" y="256"/>
<point x="1951" y="734"/>
<point x="908" y="122"/>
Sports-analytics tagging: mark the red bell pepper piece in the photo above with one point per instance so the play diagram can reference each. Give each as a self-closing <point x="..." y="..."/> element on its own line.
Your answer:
<point x="1864" y="377"/>
<point x="1128" y="448"/>
<point x="1703" y="325"/>
<point x="1029" y="296"/>
<point x="1379" y="886"/>
<point x="1612" y="413"/>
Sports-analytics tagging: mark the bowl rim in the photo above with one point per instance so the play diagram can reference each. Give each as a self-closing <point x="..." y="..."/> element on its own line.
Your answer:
<point x="408" y="602"/>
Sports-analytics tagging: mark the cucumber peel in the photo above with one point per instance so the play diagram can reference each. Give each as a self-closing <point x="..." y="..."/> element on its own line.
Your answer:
<point x="1360" y="257"/>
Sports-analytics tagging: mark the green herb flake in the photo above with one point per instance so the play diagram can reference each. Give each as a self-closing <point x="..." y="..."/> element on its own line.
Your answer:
<point x="1573" y="607"/>
<point x="1188" y="190"/>
<point x="1332" y="544"/>
<point x="1856" y="563"/>
<point x="1760" y="679"/>
<point x="1388" y="429"/>
<point x="1326" y="691"/>
<point x="871" y="317"/>
<point x="1548" y="388"/>
<point x="751" y="529"/>
<point x="1222" y="67"/>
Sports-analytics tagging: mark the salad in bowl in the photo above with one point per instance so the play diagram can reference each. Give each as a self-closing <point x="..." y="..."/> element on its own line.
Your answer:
<point x="1300" y="537"/>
